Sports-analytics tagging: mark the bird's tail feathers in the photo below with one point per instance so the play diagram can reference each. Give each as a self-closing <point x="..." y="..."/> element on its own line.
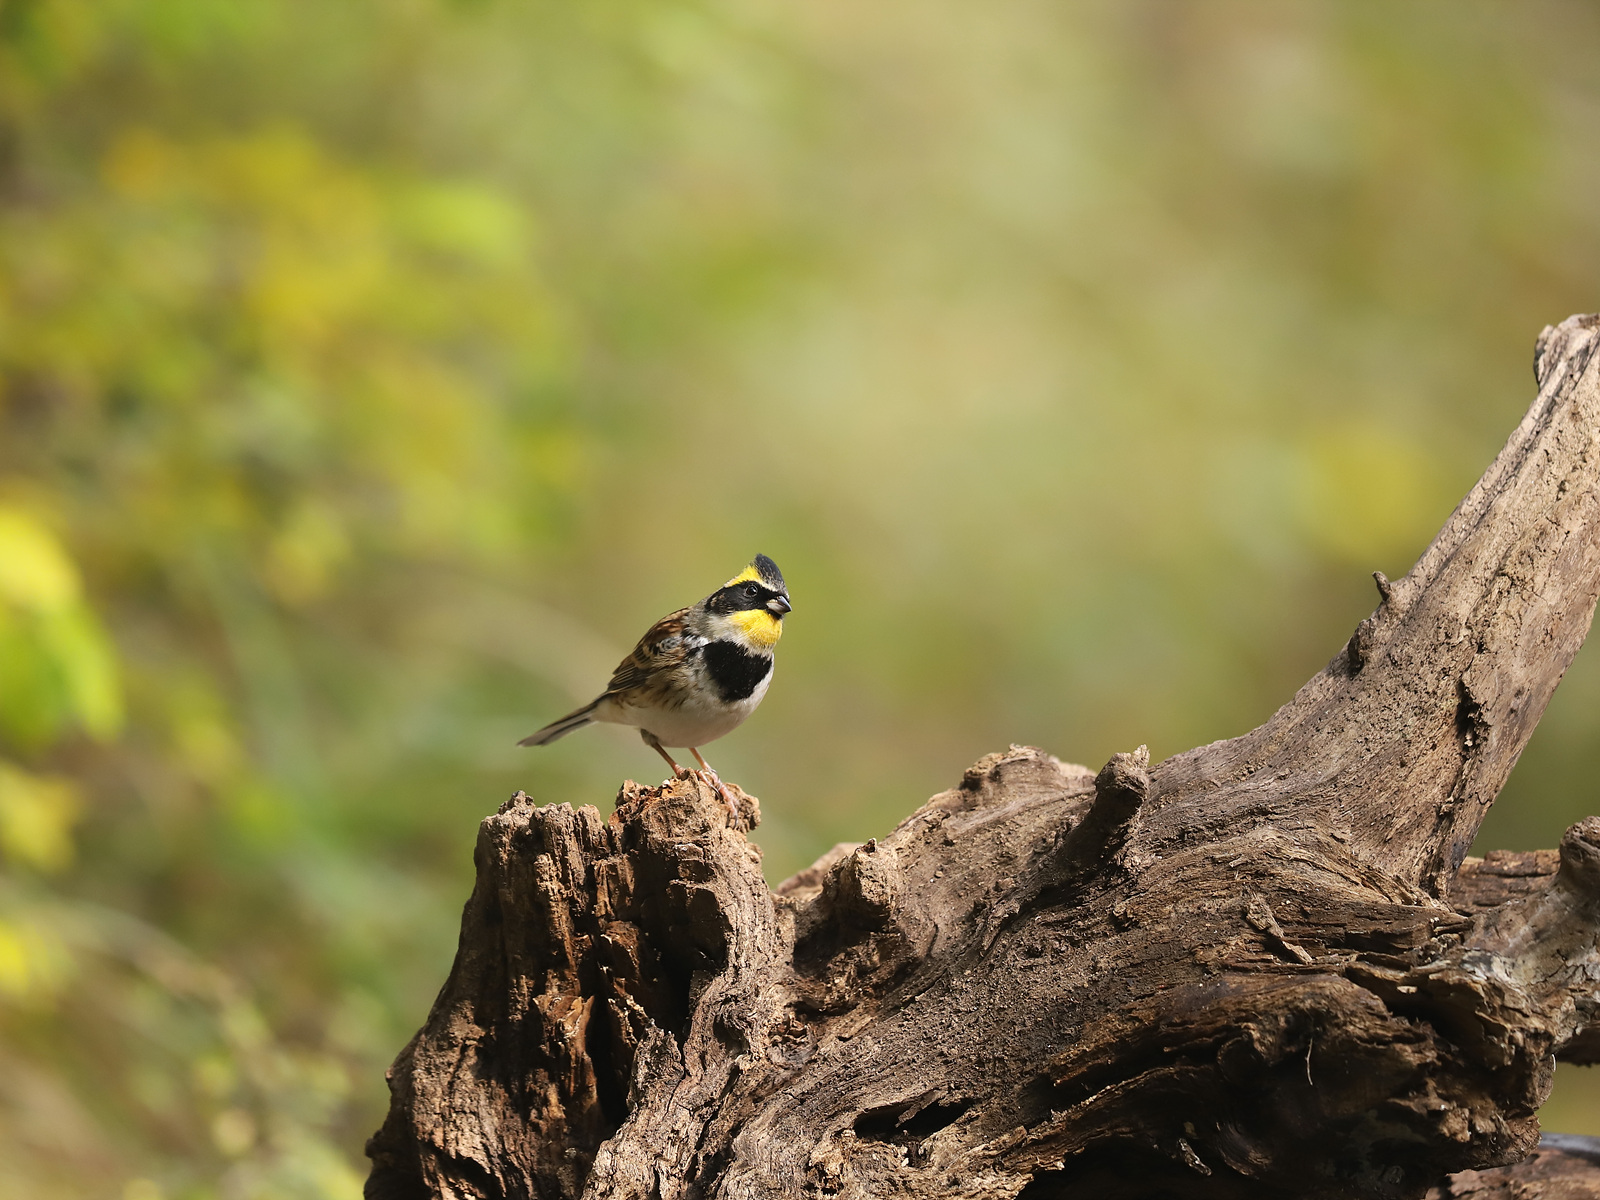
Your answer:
<point x="558" y="729"/>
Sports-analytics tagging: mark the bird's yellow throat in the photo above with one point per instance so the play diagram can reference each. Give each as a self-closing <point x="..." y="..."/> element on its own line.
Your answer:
<point x="760" y="626"/>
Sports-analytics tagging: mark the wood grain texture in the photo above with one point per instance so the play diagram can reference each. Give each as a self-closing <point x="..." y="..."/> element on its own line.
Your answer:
<point x="1562" y="1168"/>
<point x="1260" y="968"/>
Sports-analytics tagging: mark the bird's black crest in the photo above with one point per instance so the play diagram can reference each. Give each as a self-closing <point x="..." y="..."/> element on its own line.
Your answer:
<point x="768" y="570"/>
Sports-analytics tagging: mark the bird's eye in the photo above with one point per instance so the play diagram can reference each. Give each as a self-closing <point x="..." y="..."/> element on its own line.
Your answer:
<point x="751" y="591"/>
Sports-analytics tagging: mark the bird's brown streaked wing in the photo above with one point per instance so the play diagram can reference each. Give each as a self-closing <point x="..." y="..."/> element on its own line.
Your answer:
<point x="662" y="647"/>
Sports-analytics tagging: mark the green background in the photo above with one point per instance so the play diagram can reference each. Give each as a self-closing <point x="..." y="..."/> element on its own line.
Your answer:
<point x="372" y="374"/>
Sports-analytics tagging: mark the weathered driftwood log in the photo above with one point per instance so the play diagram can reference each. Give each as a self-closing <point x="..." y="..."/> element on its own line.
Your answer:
<point x="1562" y="1168"/>
<point x="1261" y="968"/>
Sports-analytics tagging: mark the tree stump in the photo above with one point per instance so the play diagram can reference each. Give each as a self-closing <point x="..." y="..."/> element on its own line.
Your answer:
<point x="1264" y="967"/>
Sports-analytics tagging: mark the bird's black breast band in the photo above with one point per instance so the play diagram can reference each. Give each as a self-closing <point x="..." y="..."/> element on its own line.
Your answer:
<point x="734" y="670"/>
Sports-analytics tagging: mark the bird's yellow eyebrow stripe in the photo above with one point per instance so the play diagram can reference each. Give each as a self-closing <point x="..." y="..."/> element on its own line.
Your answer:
<point x="749" y="574"/>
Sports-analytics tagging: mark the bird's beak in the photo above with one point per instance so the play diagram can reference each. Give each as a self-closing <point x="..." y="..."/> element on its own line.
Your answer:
<point x="779" y="605"/>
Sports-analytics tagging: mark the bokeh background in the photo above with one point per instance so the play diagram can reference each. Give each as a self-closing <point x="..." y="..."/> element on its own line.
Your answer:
<point x="372" y="373"/>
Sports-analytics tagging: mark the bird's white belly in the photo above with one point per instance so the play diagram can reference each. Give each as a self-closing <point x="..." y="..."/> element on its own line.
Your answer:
<point x="699" y="719"/>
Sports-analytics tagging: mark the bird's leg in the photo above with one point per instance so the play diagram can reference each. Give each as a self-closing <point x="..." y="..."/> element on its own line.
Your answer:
<point x="733" y="805"/>
<point x="677" y="771"/>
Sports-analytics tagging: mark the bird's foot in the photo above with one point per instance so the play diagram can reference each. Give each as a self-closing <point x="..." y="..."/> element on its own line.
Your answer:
<point x="716" y="782"/>
<point x="677" y="771"/>
<point x="722" y="790"/>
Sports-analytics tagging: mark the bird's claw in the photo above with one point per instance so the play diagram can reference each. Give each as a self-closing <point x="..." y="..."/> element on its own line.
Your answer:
<point x="722" y="790"/>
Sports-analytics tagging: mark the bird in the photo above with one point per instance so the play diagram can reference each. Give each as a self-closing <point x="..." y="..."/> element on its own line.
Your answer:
<point x="696" y="674"/>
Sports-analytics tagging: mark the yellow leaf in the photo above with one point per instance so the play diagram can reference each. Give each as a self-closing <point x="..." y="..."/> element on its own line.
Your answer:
<point x="35" y="573"/>
<point x="79" y="647"/>
<point x="33" y="963"/>
<point x="476" y="223"/>
<point x="37" y="813"/>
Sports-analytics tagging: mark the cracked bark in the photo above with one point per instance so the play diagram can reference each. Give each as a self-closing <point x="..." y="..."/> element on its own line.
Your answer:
<point x="1264" y="967"/>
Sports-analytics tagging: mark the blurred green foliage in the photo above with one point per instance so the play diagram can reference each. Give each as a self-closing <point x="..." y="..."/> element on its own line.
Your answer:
<point x="371" y="374"/>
